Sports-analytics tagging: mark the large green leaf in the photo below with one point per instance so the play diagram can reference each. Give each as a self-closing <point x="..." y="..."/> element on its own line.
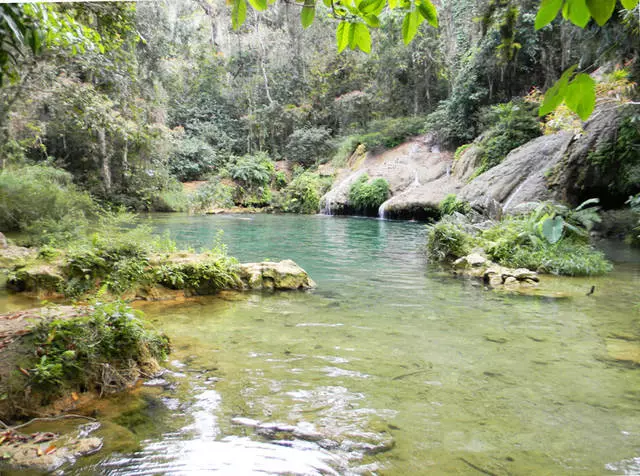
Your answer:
<point x="362" y="37"/>
<point x="554" y="96"/>
<point x="372" y="20"/>
<point x="547" y="12"/>
<point x="601" y="10"/>
<point x="552" y="229"/>
<point x="259" y="5"/>
<point x="410" y="26"/>
<point x="342" y="35"/>
<point x="308" y="13"/>
<point x="428" y="12"/>
<point x="629" y="4"/>
<point x="580" y="95"/>
<point x="371" y="6"/>
<point x="577" y="12"/>
<point x="238" y="13"/>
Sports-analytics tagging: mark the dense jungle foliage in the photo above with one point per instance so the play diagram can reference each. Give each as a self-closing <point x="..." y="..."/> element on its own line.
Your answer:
<point x="131" y="99"/>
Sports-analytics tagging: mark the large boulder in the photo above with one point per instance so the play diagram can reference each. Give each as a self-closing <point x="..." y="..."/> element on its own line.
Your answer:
<point x="282" y="275"/>
<point x="520" y="178"/>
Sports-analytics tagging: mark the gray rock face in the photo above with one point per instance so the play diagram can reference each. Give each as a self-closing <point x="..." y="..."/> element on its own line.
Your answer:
<point x="3" y="241"/>
<point x="520" y="178"/>
<point x="418" y="173"/>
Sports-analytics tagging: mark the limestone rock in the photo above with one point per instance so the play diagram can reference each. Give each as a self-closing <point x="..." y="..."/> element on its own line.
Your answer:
<point x="520" y="178"/>
<point x="40" y="278"/>
<point x="3" y="241"/>
<point x="474" y="260"/>
<point x="285" y="274"/>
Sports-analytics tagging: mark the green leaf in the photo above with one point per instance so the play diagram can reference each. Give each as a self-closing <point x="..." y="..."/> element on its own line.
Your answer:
<point x="629" y="4"/>
<point x="372" y="20"/>
<point x="577" y="12"/>
<point x="352" y="36"/>
<point x="308" y="14"/>
<point x="342" y="35"/>
<point x="601" y="10"/>
<point x="410" y="26"/>
<point x="547" y="12"/>
<point x="555" y="94"/>
<point x="238" y="13"/>
<point x="371" y="6"/>
<point x="580" y="95"/>
<point x="552" y="229"/>
<point x="260" y="5"/>
<point x="362" y="37"/>
<point x="429" y="13"/>
<point x="393" y="4"/>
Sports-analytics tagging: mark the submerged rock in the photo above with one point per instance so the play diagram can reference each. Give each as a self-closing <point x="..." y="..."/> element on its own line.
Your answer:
<point x="477" y="266"/>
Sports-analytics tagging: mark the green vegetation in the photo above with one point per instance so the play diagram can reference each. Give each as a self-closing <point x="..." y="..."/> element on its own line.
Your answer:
<point x="620" y="158"/>
<point x="309" y="146"/>
<point x="551" y="239"/>
<point x="634" y="204"/>
<point x="42" y="198"/>
<point x="447" y="241"/>
<point x="303" y="194"/>
<point x="365" y="196"/>
<point x="508" y="126"/>
<point x="450" y="205"/>
<point x="213" y="194"/>
<point x="104" y="352"/>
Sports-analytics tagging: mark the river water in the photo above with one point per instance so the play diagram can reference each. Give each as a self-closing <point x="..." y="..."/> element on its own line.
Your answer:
<point x="388" y="367"/>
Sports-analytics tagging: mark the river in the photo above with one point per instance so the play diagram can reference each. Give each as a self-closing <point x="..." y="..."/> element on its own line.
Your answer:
<point x="388" y="367"/>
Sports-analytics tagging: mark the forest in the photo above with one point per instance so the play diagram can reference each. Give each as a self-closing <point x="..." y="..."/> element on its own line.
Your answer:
<point x="427" y="162"/>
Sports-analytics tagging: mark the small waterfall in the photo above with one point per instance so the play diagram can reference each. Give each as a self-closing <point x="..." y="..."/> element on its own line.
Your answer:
<point x="382" y="209"/>
<point x="327" y="207"/>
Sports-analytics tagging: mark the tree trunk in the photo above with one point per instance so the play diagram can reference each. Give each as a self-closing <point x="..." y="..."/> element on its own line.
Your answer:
<point x="104" y="159"/>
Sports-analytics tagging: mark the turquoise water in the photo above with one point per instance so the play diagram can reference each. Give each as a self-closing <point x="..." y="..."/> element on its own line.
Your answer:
<point x="388" y="367"/>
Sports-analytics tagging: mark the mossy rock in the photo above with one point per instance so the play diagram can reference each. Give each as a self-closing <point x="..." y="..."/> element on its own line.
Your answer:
<point x="283" y="275"/>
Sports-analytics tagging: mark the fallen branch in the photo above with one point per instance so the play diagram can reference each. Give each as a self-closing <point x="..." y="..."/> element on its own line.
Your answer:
<point x="61" y="417"/>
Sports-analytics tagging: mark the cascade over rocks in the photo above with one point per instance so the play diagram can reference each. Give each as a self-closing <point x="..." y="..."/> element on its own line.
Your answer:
<point x="418" y="173"/>
<point x="550" y="167"/>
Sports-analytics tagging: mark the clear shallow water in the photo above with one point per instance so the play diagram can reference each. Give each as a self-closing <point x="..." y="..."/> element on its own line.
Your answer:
<point x="387" y="367"/>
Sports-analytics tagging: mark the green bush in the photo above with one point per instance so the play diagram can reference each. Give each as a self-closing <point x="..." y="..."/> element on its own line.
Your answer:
<point x="450" y="205"/>
<point x="551" y="239"/>
<point x="388" y="133"/>
<point x="447" y="241"/>
<point x="510" y="125"/>
<point x="303" y="194"/>
<point x="366" y="197"/>
<point x="634" y="203"/>
<point x="213" y="194"/>
<point x="42" y="196"/>
<point x="192" y="159"/>
<point x="101" y="352"/>
<point x="309" y="146"/>
<point x="253" y="171"/>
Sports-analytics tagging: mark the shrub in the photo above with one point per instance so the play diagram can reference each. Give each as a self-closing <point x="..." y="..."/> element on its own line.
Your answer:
<point x="366" y="197"/>
<point x="388" y="133"/>
<point x="309" y="145"/>
<point x="252" y="171"/>
<point x="213" y="194"/>
<point x="103" y="351"/>
<point x="510" y="125"/>
<point x="551" y="239"/>
<point x="634" y="203"/>
<point x="303" y="194"/>
<point x="42" y="196"/>
<point x="447" y="241"/>
<point x="192" y="159"/>
<point x="450" y="205"/>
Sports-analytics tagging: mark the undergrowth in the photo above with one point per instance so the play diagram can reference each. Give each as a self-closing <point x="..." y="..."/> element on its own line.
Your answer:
<point x="104" y="351"/>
